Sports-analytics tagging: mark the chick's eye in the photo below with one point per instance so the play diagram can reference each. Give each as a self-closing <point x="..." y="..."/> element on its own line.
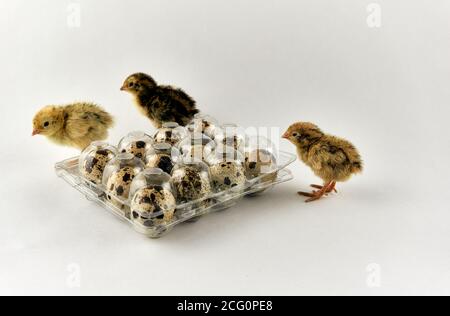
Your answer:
<point x="46" y="124"/>
<point x="131" y="84"/>
<point x="295" y="134"/>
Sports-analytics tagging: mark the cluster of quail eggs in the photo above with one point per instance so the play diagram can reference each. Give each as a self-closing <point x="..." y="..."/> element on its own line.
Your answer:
<point x="150" y="178"/>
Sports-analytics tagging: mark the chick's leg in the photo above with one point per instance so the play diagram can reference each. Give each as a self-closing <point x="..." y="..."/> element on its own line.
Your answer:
<point x="331" y="189"/>
<point x="319" y="194"/>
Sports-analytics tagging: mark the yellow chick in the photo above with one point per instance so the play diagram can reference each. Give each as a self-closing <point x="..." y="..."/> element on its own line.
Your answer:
<point x="331" y="158"/>
<point x="75" y="125"/>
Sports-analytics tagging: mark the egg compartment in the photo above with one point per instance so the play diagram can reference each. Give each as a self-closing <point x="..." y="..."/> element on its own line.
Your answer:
<point x="118" y="177"/>
<point x="197" y="146"/>
<point x="162" y="156"/>
<point x="204" y="124"/>
<point x="231" y="135"/>
<point x="227" y="170"/>
<point x="191" y="181"/>
<point x="170" y="133"/>
<point x="94" y="159"/>
<point x="260" y="160"/>
<point x="152" y="201"/>
<point x="136" y="143"/>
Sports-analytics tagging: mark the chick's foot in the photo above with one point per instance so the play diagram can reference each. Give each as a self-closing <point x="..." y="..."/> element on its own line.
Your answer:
<point x="330" y="190"/>
<point x="317" y="195"/>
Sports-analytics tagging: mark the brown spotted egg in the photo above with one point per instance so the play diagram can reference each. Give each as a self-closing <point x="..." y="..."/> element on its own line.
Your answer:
<point x="119" y="184"/>
<point x="94" y="164"/>
<point x="136" y="143"/>
<point x="153" y="206"/>
<point x="261" y="162"/>
<point x="191" y="181"/>
<point x="137" y="149"/>
<point x="162" y="156"/>
<point x="227" y="175"/>
<point x="163" y="162"/>
<point x="170" y="133"/>
<point x="117" y="178"/>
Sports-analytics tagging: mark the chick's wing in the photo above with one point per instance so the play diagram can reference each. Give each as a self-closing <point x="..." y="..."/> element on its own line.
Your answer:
<point x="326" y="154"/>
<point x="80" y="124"/>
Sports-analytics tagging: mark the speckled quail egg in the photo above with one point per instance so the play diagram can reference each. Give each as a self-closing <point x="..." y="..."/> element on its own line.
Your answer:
<point x="118" y="176"/>
<point x="170" y="133"/>
<point x="153" y="206"/>
<point x="162" y="156"/>
<point x="227" y="169"/>
<point x="119" y="182"/>
<point x="191" y="181"/>
<point x="204" y="124"/>
<point x="261" y="162"/>
<point x="153" y="203"/>
<point x="136" y="143"/>
<point x="227" y="175"/>
<point x="94" y="160"/>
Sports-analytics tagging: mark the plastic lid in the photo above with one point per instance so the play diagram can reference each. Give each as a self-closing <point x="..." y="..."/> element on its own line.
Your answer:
<point x="125" y="156"/>
<point x="170" y="125"/>
<point x="162" y="146"/>
<point x="99" y="144"/>
<point x="137" y="134"/>
<point x="153" y="172"/>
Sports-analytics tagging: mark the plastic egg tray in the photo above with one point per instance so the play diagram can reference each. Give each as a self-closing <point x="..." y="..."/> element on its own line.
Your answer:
<point x="69" y="171"/>
<point x="136" y="182"/>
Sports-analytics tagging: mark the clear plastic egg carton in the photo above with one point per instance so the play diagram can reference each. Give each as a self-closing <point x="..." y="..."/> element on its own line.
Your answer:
<point x="156" y="184"/>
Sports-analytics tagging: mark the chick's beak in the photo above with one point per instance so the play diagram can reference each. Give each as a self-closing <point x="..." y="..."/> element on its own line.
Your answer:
<point x="286" y="135"/>
<point x="35" y="132"/>
<point x="123" y="88"/>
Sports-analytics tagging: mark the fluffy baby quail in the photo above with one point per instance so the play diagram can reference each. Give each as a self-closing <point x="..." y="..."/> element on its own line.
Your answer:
<point x="76" y="125"/>
<point x="161" y="104"/>
<point x="331" y="158"/>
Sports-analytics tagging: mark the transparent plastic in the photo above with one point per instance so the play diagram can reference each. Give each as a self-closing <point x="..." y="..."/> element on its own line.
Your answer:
<point x="136" y="143"/>
<point x="171" y="133"/>
<point x="191" y="181"/>
<point x="260" y="160"/>
<point x="68" y="170"/>
<point x="180" y="183"/>
<point x="117" y="178"/>
<point x="231" y="135"/>
<point x="204" y="124"/>
<point x="197" y="146"/>
<point x="227" y="169"/>
<point x="153" y="204"/>
<point x="94" y="159"/>
<point x="162" y="156"/>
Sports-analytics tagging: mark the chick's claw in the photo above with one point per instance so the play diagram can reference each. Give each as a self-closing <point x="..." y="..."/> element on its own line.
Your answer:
<point x="317" y="195"/>
<point x="314" y="196"/>
<point x="310" y="195"/>
<point x="330" y="190"/>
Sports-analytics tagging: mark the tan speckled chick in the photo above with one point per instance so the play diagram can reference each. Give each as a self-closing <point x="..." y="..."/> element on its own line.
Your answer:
<point x="75" y="125"/>
<point x="161" y="104"/>
<point x="331" y="158"/>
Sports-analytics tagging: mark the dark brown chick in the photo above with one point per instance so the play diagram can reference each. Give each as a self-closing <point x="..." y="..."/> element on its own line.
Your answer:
<point x="161" y="104"/>
<point x="75" y="125"/>
<point x="331" y="158"/>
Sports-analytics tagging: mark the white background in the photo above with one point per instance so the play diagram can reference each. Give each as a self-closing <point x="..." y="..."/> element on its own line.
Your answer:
<point x="256" y="63"/>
